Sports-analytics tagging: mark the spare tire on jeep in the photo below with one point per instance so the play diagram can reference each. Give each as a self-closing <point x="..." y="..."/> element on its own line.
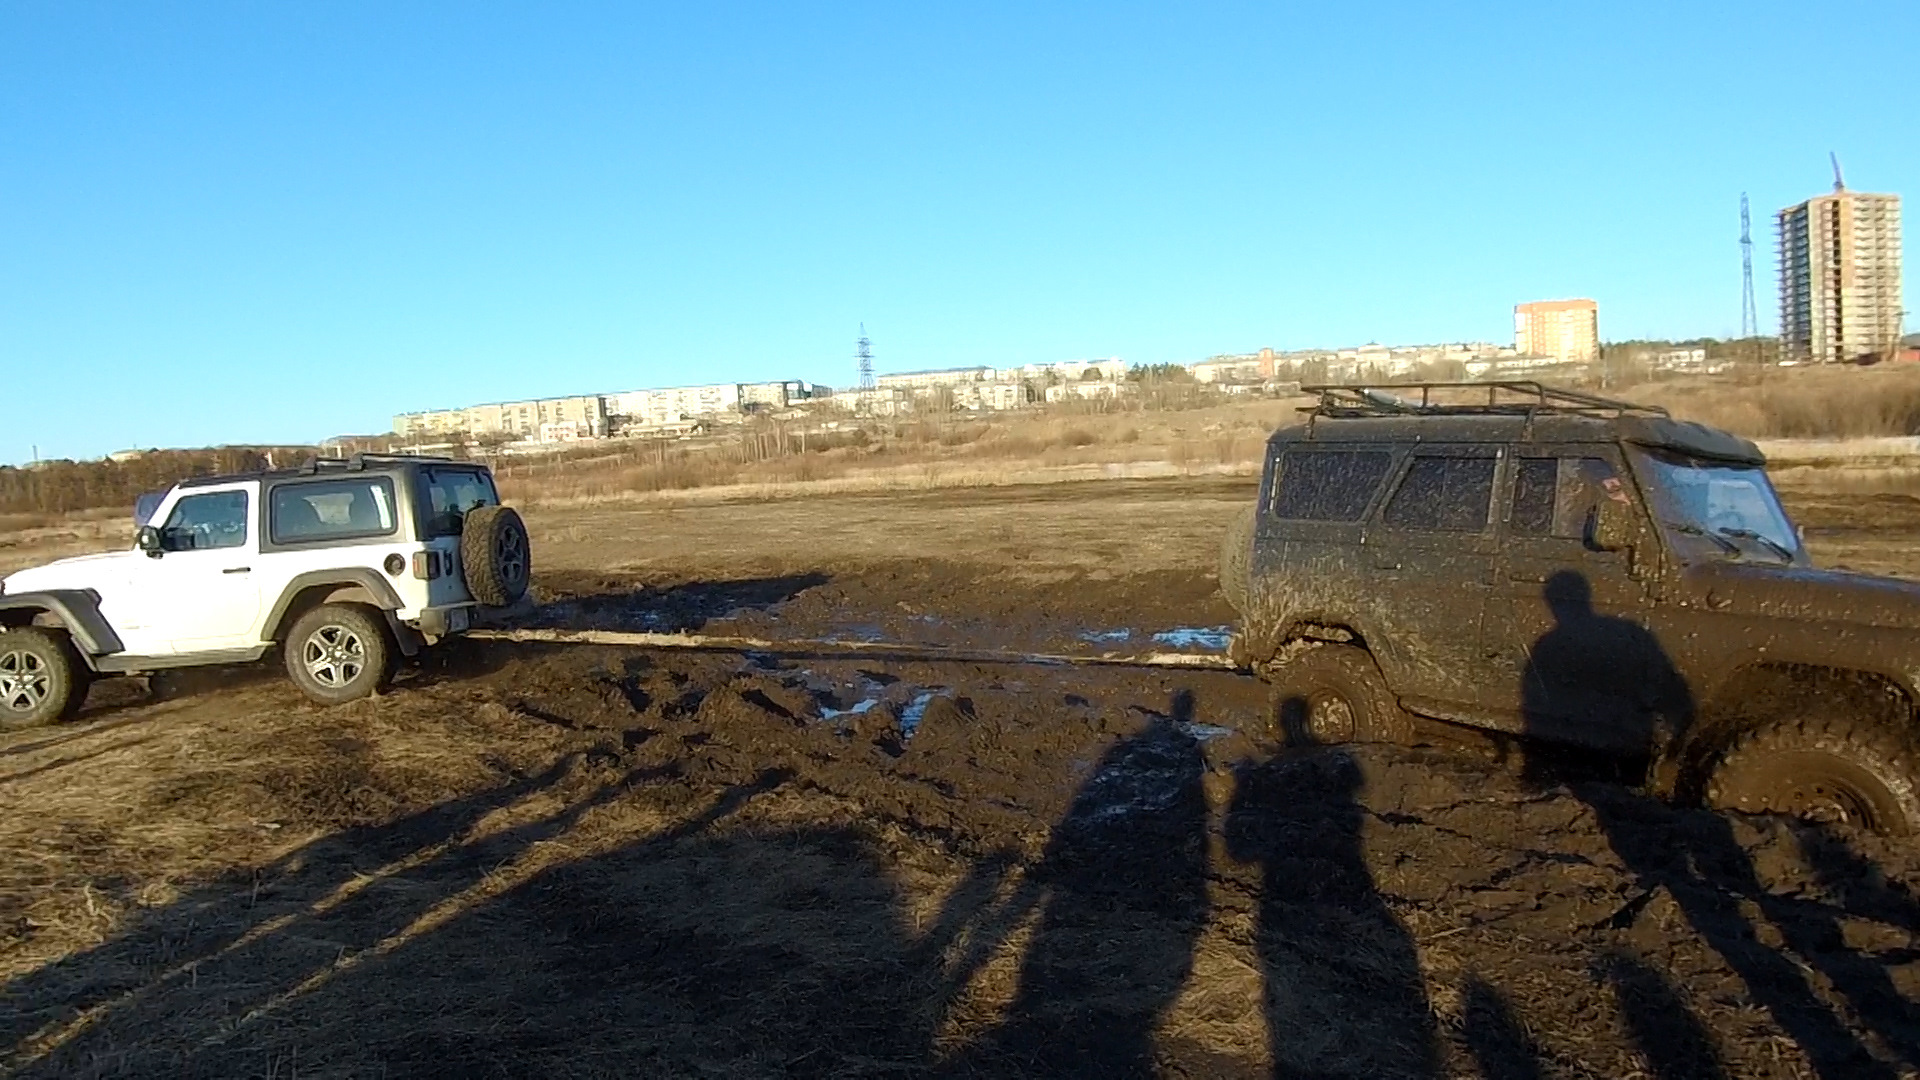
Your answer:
<point x="495" y="555"/>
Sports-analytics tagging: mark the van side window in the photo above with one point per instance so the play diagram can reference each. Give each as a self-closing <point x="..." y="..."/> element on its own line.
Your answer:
<point x="1444" y="494"/>
<point x="1556" y="496"/>
<point x="1328" y="485"/>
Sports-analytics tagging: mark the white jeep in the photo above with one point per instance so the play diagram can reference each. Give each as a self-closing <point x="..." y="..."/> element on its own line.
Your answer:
<point x="346" y="565"/>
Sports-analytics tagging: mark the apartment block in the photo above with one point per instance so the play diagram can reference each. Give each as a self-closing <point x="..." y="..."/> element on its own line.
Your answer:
<point x="1563" y="330"/>
<point x="1839" y="258"/>
<point x="579" y="416"/>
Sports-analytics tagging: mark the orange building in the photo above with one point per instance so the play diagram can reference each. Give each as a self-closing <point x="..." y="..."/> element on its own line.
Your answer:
<point x="1566" y="330"/>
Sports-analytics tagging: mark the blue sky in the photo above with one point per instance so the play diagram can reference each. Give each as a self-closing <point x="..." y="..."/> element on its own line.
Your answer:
<point x="279" y="222"/>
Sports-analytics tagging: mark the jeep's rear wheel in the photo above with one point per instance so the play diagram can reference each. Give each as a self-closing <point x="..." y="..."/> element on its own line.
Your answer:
<point x="1834" y="769"/>
<point x="339" y="652"/>
<point x="1333" y="694"/>
<point x="41" y="678"/>
<point x="495" y="555"/>
<point x="1236" y="561"/>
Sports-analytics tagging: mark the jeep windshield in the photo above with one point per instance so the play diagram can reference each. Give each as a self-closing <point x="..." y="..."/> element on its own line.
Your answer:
<point x="1729" y="506"/>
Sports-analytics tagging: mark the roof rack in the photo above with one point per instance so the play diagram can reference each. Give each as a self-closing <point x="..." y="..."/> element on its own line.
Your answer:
<point x="358" y="462"/>
<point x="1524" y="398"/>
<point x="316" y="465"/>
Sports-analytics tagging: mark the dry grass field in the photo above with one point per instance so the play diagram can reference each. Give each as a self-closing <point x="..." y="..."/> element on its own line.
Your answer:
<point x="585" y="861"/>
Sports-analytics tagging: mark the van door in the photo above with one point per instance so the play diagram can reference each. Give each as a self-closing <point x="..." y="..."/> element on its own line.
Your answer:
<point x="1568" y="652"/>
<point x="1428" y="560"/>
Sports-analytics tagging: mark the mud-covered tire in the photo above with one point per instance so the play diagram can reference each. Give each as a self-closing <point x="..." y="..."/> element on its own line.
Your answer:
<point x="42" y="678"/>
<point x="338" y="653"/>
<point x="1236" y="560"/>
<point x="1326" y="694"/>
<point x="495" y="555"/>
<point x="1858" y="770"/>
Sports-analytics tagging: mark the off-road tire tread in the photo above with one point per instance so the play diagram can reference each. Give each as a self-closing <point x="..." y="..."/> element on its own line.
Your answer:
<point x="485" y="578"/>
<point x="1350" y="671"/>
<point x="1890" y="755"/>
<point x="372" y="628"/>
<point x="70" y="674"/>
<point x="1236" y="560"/>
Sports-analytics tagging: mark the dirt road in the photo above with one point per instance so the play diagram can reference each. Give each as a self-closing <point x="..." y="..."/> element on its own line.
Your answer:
<point x="584" y="861"/>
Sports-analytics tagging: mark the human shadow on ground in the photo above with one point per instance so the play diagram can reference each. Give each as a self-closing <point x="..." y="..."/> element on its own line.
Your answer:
<point x="1597" y="668"/>
<point x="632" y="947"/>
<point x="1344" y="995"/>
<point x="1127" y="863"/>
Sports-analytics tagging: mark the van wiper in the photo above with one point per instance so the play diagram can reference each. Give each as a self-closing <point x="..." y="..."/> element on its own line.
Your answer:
<point x="1749" y="534"/>
<point x="1691" y="529"/>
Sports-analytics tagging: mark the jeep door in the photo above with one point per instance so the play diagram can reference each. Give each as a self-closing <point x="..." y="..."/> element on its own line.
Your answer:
<point x="1428" y="557"/>
<point x="197" y="593"/>
<point x="1568" y="652"/>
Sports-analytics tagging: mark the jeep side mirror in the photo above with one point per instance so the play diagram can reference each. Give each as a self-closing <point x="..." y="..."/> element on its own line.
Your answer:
<point x="147" y="539"/>
<point x="1613" y="526"/>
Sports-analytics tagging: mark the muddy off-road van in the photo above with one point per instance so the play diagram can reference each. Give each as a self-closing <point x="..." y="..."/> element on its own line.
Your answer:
<point x="1590" y="573"/>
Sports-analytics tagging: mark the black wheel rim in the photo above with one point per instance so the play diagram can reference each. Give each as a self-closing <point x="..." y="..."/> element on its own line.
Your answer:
<point x="510" y="554"/>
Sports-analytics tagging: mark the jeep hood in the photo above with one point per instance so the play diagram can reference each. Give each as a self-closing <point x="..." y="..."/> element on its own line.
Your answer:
<point x="1801" y="593"/>
<point x="78" y="572"/>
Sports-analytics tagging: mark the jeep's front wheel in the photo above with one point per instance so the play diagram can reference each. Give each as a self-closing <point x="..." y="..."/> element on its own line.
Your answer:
<point x="1328" y="693"/>
<point x="1836" y="769"/>
<point x="338" y="653"/>
<point x="41" y="679"/>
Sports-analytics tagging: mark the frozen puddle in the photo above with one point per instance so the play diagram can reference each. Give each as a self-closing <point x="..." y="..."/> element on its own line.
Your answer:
<point x="857" y="708"/>
<point x="1212" y="638"/>
<point x="1105" y="637"/>
<point x="915" y="711"/>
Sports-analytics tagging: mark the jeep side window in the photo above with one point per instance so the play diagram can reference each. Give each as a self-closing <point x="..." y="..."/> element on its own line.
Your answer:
<point x="1444" y="494"/>
<point x="1328" y="485"/>
<point x="450" y="494"/>
<point x="217" y="519"/>
<point x="1556" y="496"/>
<point x="331" y="510"/>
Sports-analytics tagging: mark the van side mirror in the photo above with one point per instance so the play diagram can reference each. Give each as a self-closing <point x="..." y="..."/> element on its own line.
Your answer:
<point x="147" y="539"/>
<point x="1613" y="526"/>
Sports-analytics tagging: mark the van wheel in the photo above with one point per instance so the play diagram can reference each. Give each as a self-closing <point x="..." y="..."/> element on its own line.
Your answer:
<point x="41" y="678"/>
<point x="1335" y="694"/>
<point x="1236" y="561"/>
<point x="339" y="652"/>
<point x="1836" y="769"/>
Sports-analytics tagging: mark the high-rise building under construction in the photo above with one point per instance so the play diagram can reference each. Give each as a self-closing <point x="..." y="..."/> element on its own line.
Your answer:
<point x="1840" y="276"/>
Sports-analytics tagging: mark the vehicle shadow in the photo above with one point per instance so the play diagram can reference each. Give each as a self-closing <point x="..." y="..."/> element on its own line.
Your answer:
<point x="1584" y="667"/>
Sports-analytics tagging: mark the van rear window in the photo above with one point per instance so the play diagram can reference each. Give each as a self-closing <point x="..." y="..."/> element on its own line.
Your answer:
<point x="1328" y="485"/>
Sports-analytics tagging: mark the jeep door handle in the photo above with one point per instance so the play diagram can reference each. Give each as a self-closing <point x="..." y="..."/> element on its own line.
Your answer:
<point x="238" y="570"/>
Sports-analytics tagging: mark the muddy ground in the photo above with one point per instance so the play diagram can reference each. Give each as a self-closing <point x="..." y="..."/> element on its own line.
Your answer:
<point x="586" y="861"/>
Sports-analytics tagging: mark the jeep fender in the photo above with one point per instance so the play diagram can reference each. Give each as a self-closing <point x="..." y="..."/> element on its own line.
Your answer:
<point x="78" y="611"/>
<point x="319" y="586"/>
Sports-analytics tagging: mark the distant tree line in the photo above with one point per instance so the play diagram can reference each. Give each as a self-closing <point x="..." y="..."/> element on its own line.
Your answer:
<point x="57" y="487"/>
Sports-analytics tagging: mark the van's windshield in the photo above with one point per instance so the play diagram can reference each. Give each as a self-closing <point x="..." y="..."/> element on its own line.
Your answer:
<point x="1734" y="506"/>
